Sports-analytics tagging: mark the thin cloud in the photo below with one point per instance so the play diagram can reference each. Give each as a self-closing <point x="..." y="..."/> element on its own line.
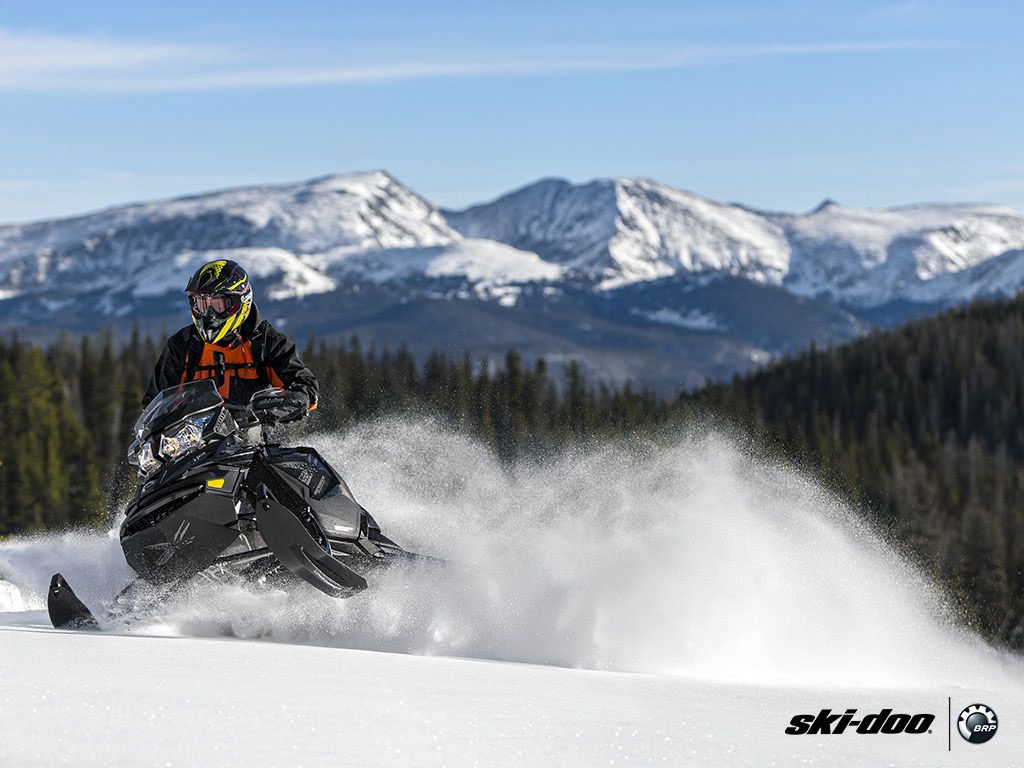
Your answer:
<point x="31" y="57"/>
<point x="40" y="62"/>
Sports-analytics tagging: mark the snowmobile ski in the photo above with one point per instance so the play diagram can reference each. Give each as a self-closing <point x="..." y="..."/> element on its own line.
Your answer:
<point x="65" y="609"/>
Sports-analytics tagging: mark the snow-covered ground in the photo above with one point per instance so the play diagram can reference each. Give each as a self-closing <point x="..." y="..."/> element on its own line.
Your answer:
<point x="693" y="319"/>
<point x="640" y="604"/>
<point x="83" y="700"/>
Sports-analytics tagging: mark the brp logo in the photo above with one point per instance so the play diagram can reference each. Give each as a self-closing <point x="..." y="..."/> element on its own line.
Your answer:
<point x="977" y="723"/>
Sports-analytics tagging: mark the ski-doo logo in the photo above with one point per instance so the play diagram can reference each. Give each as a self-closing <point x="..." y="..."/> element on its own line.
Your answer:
<point x="829" y="722"/>
<point x="179" y="535"/>
<point x="977" y="723"/>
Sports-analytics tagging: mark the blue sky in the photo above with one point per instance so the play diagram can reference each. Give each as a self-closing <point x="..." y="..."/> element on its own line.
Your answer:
<point x="776" y="105"/>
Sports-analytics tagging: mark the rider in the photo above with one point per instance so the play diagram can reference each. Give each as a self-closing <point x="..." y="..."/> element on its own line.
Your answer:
<point x="229" y="343"/>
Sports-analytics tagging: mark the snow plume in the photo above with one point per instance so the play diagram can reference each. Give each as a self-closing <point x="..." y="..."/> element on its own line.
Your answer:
<point x="689" y="558"/>
<point x="87" y="558"/>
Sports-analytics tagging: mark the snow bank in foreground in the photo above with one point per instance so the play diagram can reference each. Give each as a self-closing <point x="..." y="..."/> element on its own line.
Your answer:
<point x="80" y="699"/>
<point x="689" y="559"/>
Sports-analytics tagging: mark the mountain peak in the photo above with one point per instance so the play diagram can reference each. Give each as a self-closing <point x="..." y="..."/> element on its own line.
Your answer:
<point x="624" y="230"/>
<point x="376" y="177"/>
<point x="280" y="224"/>
<point x="825" y="205"/>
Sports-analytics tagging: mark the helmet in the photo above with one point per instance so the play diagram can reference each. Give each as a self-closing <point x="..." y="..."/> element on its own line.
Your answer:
<point x="221" y="299"/>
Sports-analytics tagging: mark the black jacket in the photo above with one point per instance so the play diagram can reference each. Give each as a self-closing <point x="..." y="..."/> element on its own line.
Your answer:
<point x="272" y="352"/>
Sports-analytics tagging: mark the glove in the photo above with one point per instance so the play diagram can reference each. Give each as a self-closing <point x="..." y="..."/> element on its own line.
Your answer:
<point x="279" y="406"/>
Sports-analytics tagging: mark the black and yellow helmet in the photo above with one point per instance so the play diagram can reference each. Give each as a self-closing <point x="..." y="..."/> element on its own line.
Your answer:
<point x="221" y="299"/>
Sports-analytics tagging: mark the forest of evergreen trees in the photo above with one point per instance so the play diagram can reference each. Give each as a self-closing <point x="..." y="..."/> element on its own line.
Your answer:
<point x="70" y="409"/>
<point x="922" y="428"/>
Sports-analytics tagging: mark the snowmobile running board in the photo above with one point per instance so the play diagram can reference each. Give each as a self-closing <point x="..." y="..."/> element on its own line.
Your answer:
<point x="65" y="609"/>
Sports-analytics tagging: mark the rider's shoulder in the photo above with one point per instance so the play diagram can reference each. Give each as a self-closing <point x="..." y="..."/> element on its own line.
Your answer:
<point x="183" y="336"/>
<point x="266" y="331"/>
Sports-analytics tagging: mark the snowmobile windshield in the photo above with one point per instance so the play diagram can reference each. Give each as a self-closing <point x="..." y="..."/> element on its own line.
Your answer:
<point x="174" y="404"/>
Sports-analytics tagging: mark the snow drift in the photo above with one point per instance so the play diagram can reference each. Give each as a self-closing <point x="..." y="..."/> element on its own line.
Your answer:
<point x="689" y="559"/>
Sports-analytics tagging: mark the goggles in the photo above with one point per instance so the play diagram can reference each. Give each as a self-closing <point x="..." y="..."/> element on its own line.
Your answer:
<point x="222" y="305"/>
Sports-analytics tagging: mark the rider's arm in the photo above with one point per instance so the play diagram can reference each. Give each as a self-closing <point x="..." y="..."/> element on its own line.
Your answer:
<point x="169" y="367"/>
<point x="283" y="358"/>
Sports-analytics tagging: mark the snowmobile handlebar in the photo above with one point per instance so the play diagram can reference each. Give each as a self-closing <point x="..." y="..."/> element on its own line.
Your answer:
<point x="274" y="405"/>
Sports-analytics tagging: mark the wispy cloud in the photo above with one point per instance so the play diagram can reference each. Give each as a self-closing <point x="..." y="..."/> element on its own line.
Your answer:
<point x="37" y="57"/>
<point x="38" y="61"/>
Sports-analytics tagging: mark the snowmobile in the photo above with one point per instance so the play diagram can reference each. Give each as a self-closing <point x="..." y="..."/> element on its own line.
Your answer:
<point x="217" y="500"/>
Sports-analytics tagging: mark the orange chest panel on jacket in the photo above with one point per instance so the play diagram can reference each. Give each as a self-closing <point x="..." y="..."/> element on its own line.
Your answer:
<point x="235" y="371"/>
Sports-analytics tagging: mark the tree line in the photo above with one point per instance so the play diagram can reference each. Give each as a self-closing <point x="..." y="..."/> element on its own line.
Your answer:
<point x="922" y="428"/>
<point x="70" y="408"/>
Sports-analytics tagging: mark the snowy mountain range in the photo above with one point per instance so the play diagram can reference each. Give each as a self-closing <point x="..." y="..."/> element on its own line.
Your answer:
<point x="637" y="279"/>
<point x="621" y="231"/>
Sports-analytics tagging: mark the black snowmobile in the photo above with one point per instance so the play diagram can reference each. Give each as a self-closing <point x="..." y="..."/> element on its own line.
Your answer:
<point x="218" y="501"/>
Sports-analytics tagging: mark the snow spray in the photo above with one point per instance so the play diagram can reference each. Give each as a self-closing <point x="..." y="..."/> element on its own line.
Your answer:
<point x="688" y="557"/>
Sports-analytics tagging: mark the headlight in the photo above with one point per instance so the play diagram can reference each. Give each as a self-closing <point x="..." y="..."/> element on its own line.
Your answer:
<point x="145" y="459"/>
<point x="188" y="438"/>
